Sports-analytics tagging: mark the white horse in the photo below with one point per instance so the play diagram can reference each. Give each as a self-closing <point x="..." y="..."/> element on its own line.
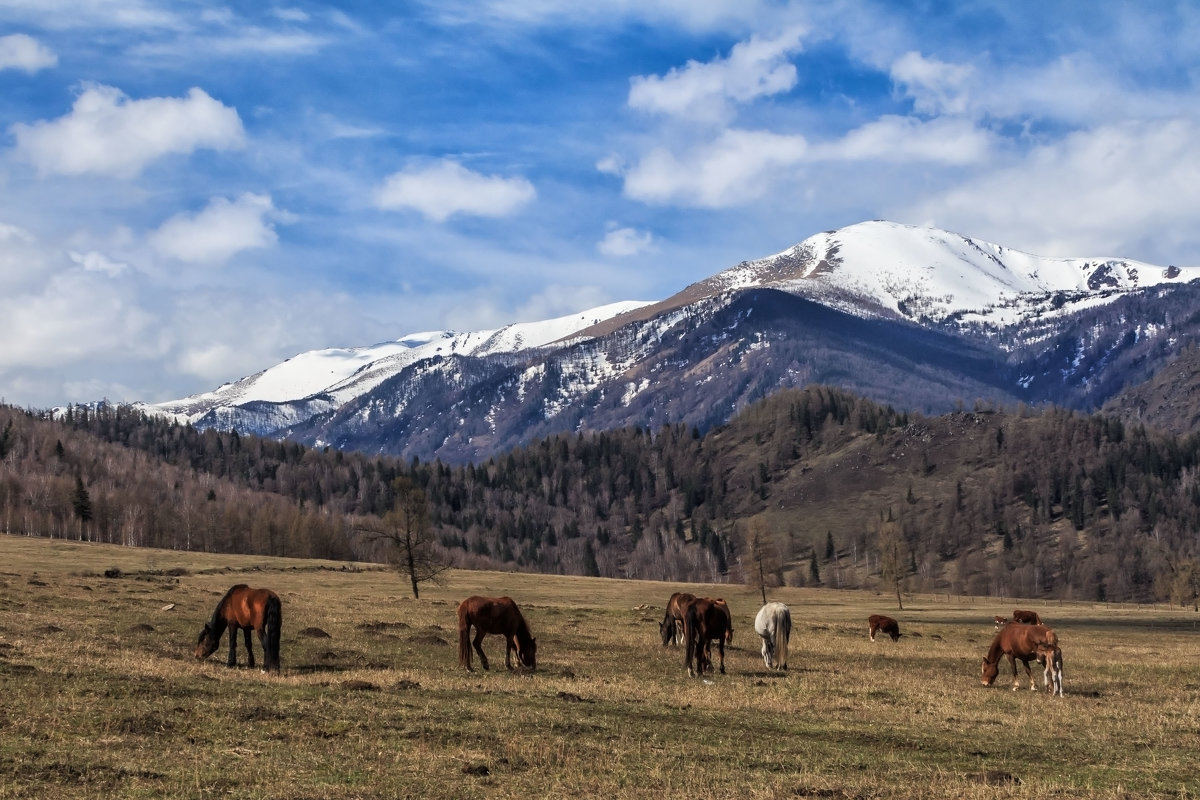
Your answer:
<point x="774" y="624"/>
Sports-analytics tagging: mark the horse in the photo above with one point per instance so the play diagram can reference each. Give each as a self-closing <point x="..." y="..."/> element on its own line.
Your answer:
<point x="1000" y="621"/>
<point x="878" y="622"/>
<point x="498" y="615"/>
<point x="671" y="626"/>
<point x="1050" y="656"/>
<point x="774" y="624"/>
<point x="1018" y="642"/>
<point x="245" y="609"/>
<point x="1026" y="617"/>
<point x="705" y="620"/>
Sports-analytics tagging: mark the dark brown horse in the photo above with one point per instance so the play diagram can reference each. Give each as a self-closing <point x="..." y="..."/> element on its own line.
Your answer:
<point x="878" y="622"/>
<point x="1018" y="643"/>
<point x="706" y="619"/>
<point x="245" y="609"/>
<point x="498" y="615"/>
<point x="1026" y="617"/>
<point x="671" y="626"/>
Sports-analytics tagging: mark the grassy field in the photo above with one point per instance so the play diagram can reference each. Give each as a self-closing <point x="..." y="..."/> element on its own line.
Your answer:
<point x="100" y="696"/>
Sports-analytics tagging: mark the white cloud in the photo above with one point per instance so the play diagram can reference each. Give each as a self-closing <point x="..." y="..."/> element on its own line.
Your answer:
<point x="906" y="139"/>
<point x="94" y="261"/>
<point x="735" y="168"/>
<point x="75" y="315"/>
<point x="446" y="188"/>
<point x="934" y="86"/>
<point x="219" y="232"/>
<point x="704" y="91"/>
<point x="621" y="242"/>
<point x="1092" y="193"/>
<point x="106" y="133"/>
<point x="19" y="51"/>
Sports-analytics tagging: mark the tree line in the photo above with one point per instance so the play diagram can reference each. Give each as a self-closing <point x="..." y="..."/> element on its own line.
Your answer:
<point x="805" y="487"/>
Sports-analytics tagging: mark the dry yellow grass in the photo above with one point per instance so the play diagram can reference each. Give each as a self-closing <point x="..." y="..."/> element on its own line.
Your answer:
<point x="101" y="697"/>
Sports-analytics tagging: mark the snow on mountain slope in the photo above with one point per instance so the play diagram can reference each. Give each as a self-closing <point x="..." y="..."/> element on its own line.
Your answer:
<point x="345" y="373"/>
<point x="917" y="272"/>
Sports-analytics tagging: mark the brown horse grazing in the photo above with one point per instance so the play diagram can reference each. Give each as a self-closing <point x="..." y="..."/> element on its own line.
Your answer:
<point x="1018" y="642"/>
<point x="1050" y="657"/>
<point x="1026" y="617"/>
<point x="671" y="626"/>
<point x="878" y="622"/>
<point x="498" y="615"/>
<point x="245" y="609"/>
<point x="705" y="620"/>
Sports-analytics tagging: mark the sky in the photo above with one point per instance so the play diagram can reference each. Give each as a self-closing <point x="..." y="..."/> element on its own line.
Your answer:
<point x="192" y="192"/>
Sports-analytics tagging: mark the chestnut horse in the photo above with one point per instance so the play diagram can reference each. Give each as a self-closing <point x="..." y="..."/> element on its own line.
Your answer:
<point x="1050" y="656"/>
<point x="498" y="615"/>
<point x="878" y="622"/>
<point x="245" y="609"/>
<point x="706" y="619"/>
<point x="671" y="626"/>
<point x="1026" y="617"/>
<point x="1017" y="642"/>
<point x="774" y="624"/>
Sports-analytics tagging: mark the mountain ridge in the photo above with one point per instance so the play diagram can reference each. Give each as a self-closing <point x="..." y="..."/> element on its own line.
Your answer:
<point x="1025" y="315"/>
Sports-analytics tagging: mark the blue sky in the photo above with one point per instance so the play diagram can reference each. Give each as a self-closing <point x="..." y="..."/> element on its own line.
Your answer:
<point x="192" y="192"/>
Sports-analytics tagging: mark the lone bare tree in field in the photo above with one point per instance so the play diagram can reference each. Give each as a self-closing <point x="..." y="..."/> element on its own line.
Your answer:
<point x="891" y="557"/>
<point x="407" y="531"/>
<point x="763" y="562"/>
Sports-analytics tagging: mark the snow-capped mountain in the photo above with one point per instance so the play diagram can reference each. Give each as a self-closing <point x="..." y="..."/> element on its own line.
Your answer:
<point x="917" y="317"/>
<point x="338" y="375"/>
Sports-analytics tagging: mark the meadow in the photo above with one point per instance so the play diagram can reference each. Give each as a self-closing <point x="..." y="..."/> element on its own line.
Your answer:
<point x="101" y="696"/>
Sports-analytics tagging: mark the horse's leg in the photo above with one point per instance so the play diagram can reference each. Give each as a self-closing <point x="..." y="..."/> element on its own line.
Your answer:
<point x="721" y="650"/>
<point x="1028" y="674"/>
<point x="479" y="648"/>
<point x="233" y="632"/>
<point x="509" y="646"/>
<point x="1012" y="662"/>
<point x="249" y="648"/>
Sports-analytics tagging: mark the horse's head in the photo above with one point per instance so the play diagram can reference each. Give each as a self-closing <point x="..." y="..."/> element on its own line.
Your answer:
<point x="207" y="642"/>
<point x="527" y="654"/>
<point x="667" y="629"/>
<point x="990" y="671"/>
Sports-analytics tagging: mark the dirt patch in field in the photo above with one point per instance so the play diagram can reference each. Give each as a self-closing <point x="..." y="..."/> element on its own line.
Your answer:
<point x="315" y="633"/>
<point x="141" y="627"/>
<point x="428" y="639"/>
<point x="382" y="627"/>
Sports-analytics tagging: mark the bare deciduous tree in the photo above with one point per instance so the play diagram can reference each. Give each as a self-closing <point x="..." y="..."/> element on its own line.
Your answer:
<point x="406" y="531"/>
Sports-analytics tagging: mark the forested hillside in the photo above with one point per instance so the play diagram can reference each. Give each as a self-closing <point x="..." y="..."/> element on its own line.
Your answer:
<point x="811" y="487"/>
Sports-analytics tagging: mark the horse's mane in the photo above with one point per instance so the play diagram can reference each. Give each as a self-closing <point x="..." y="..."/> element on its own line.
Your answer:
<point x="996" y="650"/>
<point x="524" y="636"/>
<point x="218" y="622"/>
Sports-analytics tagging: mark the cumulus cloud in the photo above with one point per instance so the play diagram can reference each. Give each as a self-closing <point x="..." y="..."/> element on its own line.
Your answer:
<point x="733" y="169"/>
<point x="755" y="68"/>
<point x="907" y="139"/>
<point x="223" y="229"/>
<point x="935" y="86"/>
<point x="75" y="315"/>
<point x="621" y="242"/>
<point x="94" y="261"/>
<point x="1088" y="194"/>
<point x="106" y="133"/>
<point x="446" y="188"/>
<point x="19" y="51"/>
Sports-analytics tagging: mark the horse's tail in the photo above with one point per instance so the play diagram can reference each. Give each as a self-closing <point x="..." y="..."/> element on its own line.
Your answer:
<point x="783" y="632"/>
<point x="464" y="638"/>
<point x="692" y="637"/>
<point x="272" y="630"/>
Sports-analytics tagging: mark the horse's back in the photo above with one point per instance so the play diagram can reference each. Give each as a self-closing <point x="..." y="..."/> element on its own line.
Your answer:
<point x="771" y="613"/>
<point x="247" y="607"/>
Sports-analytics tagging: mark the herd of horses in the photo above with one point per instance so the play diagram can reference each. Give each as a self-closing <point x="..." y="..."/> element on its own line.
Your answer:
<point x="695" y="622"/>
